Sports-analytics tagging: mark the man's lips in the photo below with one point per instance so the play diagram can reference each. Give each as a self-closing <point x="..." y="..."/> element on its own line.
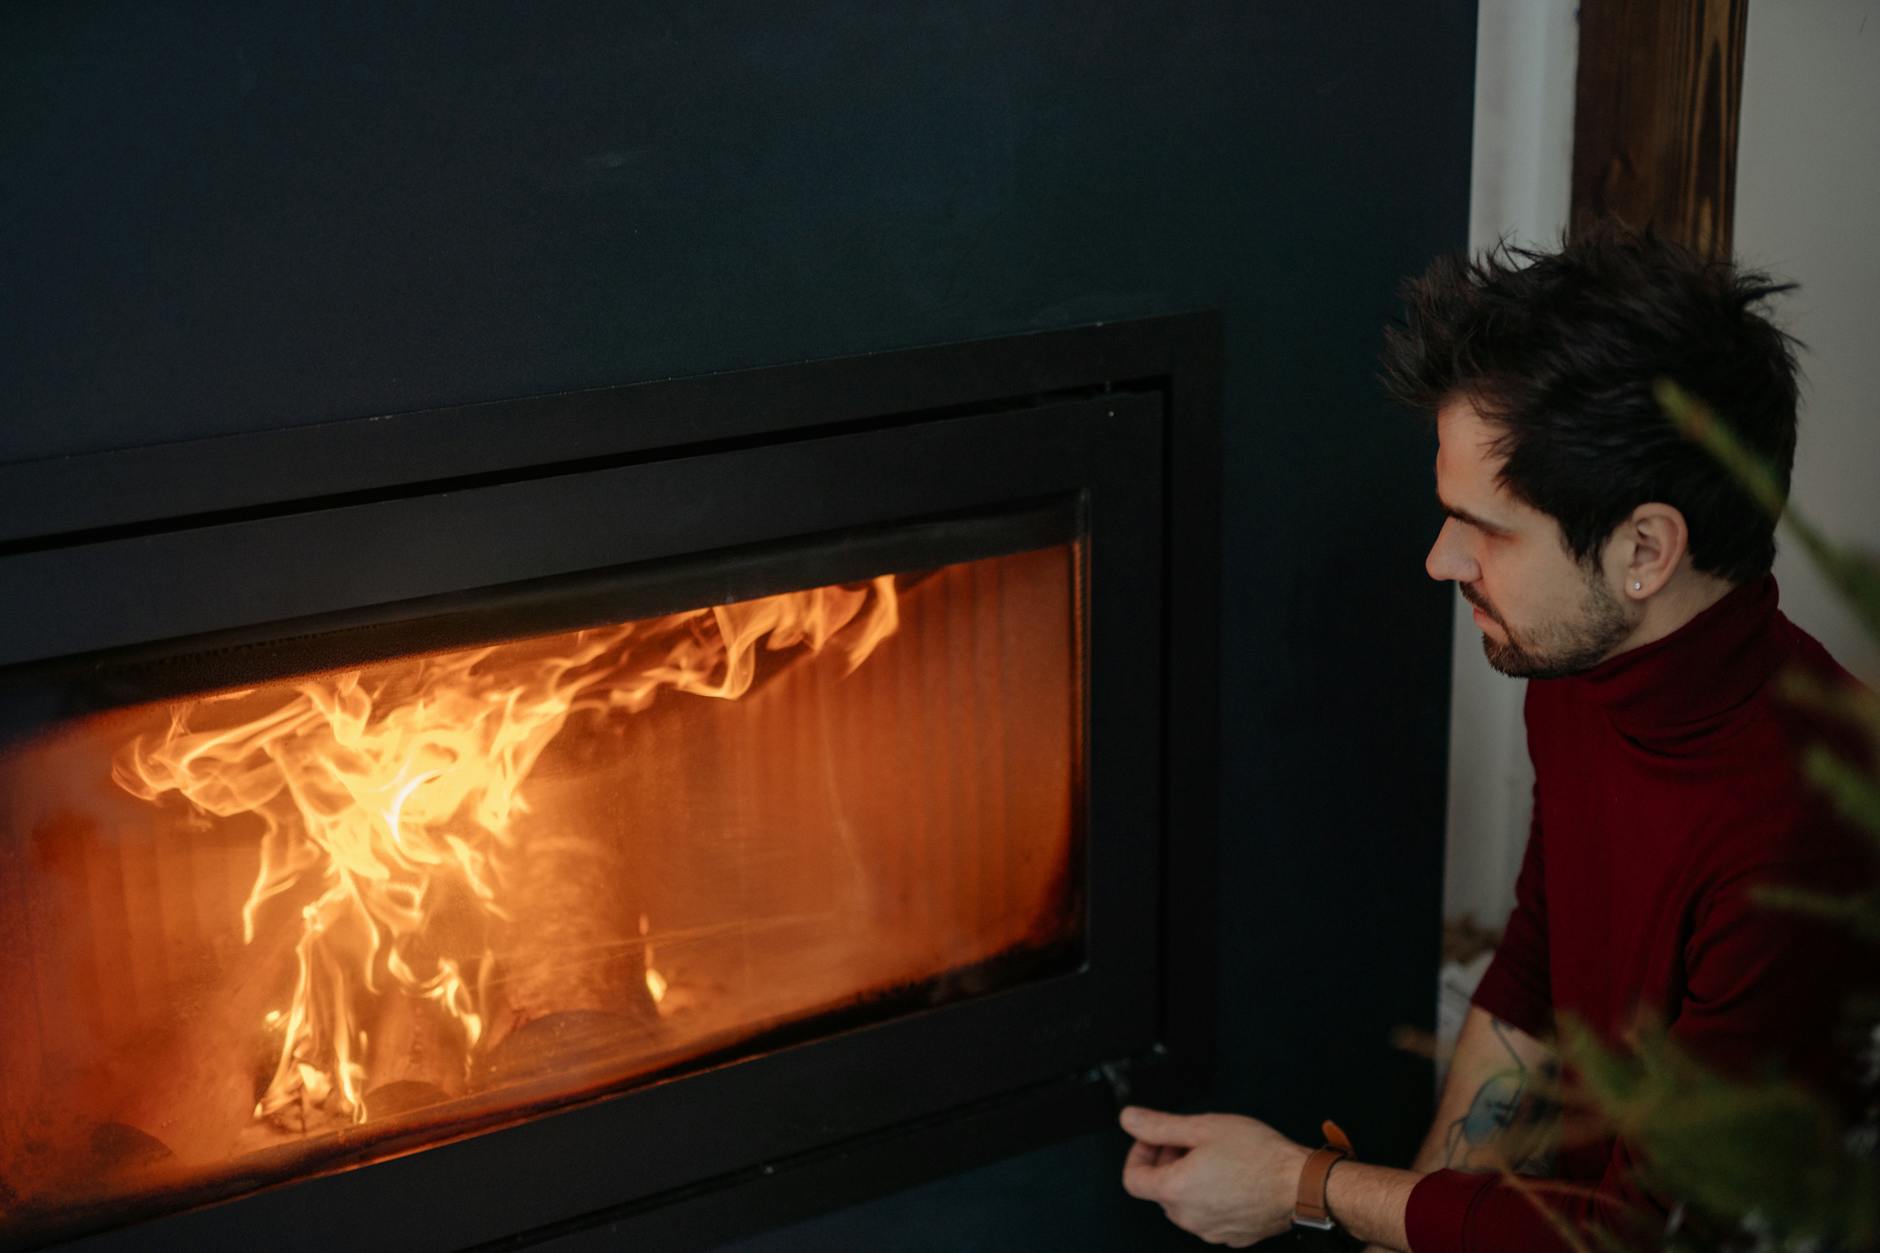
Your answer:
<point x="1480" y="611"/>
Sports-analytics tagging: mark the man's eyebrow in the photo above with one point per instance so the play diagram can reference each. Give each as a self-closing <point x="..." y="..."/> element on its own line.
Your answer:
<point x="1463" y="515"/>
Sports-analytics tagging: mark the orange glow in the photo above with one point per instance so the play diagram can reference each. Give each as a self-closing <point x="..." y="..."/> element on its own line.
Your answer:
<point x="397" y="792"/>
<point x="255" y="933"/>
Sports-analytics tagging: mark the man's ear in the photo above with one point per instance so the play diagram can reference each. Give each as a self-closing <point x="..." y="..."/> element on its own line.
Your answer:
<point x="1651" y="544"/>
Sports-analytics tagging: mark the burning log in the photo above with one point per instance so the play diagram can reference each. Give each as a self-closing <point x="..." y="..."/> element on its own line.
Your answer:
<point x="573" y="988"/>
<point x="571" y="938"/>
<point x="417" y="1057"/>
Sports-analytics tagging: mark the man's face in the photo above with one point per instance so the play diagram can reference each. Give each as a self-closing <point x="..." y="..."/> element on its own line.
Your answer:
<point x="1542" y="614"/>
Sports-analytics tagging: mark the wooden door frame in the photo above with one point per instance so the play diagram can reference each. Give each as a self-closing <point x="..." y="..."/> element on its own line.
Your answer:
<point x="1657" y="100"/>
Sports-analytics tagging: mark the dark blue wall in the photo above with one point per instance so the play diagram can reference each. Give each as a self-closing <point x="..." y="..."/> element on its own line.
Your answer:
<point x="226" y="221"/>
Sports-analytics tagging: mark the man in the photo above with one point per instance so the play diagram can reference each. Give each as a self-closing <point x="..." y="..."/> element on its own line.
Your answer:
<point x="1616" y="565"/>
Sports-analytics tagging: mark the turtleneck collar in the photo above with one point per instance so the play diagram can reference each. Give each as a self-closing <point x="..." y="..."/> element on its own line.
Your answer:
<point x="1688" y="684"/>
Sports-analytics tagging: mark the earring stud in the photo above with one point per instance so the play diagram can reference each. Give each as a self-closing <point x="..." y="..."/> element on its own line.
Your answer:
<point x="1637" y="586"/>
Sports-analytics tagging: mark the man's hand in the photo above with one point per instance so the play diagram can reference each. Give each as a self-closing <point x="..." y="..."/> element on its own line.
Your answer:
<point x="1228" y="1179"/>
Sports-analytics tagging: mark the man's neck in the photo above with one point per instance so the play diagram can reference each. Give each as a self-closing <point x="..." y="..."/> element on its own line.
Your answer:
<point x="1687" y="594"/>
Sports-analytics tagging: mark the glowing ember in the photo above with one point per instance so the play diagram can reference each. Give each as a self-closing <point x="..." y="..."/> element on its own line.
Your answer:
<point x="387" y="798"/>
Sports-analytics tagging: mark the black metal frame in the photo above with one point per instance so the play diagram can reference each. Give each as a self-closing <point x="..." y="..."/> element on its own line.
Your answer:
<point x="391" y="524"/>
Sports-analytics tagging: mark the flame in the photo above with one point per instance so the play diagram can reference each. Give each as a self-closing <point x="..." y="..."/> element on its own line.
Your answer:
<point x="656" y="984"/>
<point x="387" y="794"/>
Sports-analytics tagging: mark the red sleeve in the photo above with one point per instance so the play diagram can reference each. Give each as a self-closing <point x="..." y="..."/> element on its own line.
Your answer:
<point x="1753" y="986"/>
<point x="1453" y="1212"/>
<point x="1766" y="985"/>
<point x="1517" y="987"/>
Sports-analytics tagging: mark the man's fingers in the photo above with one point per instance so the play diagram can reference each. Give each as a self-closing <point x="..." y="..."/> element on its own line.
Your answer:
<point x="1149" y="1172"/>
<point x="1156" y="1127"/>
<point x="1142" y="1178"/>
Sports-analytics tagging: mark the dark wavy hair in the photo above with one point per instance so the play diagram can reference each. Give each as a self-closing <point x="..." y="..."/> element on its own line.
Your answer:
<point x="1560" y="350"/>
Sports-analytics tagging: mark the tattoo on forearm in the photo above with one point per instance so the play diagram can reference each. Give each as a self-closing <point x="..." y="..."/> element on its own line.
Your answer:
<point x="1512" y="1121"/>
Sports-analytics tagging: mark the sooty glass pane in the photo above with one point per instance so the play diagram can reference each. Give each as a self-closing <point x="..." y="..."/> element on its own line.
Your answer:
<point x="254" y="933"/>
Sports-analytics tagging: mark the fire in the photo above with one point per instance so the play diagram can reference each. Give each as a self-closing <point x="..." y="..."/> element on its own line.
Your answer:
<point x="387" y="796"/>
<point x="656" y="984"/>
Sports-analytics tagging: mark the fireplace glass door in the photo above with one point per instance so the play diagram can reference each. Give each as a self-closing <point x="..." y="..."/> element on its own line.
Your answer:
<point x="334" y="914"/>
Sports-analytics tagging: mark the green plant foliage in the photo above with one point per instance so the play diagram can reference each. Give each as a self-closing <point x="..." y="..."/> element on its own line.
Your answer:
<point x="1730" y="1149"/>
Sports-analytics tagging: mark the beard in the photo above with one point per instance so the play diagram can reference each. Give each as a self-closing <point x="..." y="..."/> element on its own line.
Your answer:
<point x="1555" y="650"/>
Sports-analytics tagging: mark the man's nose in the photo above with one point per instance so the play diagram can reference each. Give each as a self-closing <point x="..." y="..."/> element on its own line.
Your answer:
<point x="1449" y="559"/>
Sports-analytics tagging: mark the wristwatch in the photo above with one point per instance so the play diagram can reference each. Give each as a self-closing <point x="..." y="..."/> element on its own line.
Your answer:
<point x="1310" y="1213"/>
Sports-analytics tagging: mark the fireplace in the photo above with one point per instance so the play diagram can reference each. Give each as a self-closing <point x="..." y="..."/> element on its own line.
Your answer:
<point x="659" y="810"/>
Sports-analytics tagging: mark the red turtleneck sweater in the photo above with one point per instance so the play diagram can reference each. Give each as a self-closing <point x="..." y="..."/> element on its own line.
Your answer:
<point x="1665" y="789"/>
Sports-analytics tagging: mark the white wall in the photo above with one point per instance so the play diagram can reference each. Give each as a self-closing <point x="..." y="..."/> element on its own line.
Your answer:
<point x="1526" y="53"/>
<point x="1808" y="209"/>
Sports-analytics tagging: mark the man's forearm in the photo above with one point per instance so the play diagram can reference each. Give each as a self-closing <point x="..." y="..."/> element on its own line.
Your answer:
<point x="1369" y="1202"/>
<point x="1498" y="1106"/>
<point x="1484" y="1121"/>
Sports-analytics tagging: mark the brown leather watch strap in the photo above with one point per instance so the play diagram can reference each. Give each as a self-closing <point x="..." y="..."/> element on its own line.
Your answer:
<point x="1310" y="1210"/>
